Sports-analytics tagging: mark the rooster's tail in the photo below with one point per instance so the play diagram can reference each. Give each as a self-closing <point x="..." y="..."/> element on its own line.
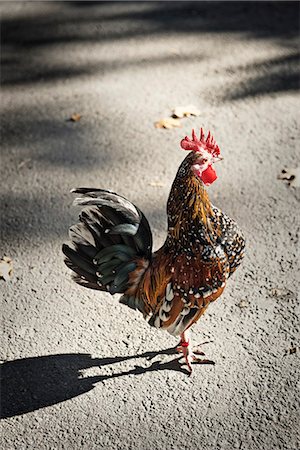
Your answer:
<point x="111" y="244"/>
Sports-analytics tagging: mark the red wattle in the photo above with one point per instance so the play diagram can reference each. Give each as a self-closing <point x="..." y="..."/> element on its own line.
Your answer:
<point x="209" y="175"/>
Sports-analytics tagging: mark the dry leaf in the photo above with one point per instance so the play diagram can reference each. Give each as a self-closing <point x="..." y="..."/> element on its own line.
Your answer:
<point x="291" y="351"/>
<point x="291" y="175"/>
<point x="6" y="268"/>
<point x="174" y="51"/>
<point x="168" y="122"/>
<point x="156" y="184"/>
<point x="280" y="293"/>
<point x="23" y="163"/>
<point x="243" y="304"/>
<point x="186" y="111"/>
<point x="276" y="292"/>
<point x="75" y="117"/>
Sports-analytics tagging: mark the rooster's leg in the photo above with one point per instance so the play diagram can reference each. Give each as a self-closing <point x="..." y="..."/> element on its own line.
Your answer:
<point x="184" y="347"/>
<point x="184" y="341"/>
<point x="188" y="353"/>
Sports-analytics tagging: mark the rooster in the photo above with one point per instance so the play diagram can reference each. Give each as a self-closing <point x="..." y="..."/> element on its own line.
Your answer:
<point x="112" y="248"/>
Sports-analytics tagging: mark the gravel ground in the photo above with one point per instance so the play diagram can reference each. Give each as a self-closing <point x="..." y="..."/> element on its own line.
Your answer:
<point x="80" y="370"/>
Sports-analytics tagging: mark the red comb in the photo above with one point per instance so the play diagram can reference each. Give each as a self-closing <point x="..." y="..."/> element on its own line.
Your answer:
<point x="195" y="144"/>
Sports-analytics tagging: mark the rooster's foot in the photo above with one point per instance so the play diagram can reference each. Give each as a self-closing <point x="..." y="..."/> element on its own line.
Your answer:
<point x="191" y="355"/>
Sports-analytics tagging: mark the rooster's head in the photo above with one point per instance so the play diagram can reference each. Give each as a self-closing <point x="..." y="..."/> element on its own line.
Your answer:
<point x="205" y="153"/>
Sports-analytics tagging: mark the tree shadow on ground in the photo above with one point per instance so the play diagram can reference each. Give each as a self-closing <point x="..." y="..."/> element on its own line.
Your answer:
<point x="258" y="19"/>
<point x="28" y="41"/>
<point x="57" y="141"/>
<point x="33" y="218"/>
<point x="269" y="77"/>
<point x="33" y="383"/>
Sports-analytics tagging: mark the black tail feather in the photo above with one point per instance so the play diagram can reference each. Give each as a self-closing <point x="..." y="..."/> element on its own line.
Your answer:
<point x="87" y="284"/>
<point x="111" y="236"/>
<point x="79" y="260"/>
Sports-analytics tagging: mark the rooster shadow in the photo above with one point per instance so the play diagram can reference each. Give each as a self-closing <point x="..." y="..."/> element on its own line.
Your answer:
<point x="33" y="383"/>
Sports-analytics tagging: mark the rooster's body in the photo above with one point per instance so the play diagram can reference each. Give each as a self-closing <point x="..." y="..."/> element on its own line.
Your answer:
<point x="112" y="250"/>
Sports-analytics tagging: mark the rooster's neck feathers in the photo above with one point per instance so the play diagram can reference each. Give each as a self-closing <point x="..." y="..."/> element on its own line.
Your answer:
<point x="189" y="209"/>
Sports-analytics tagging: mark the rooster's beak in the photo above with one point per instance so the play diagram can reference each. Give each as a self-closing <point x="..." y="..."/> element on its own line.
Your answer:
<point x="218" y="158"/>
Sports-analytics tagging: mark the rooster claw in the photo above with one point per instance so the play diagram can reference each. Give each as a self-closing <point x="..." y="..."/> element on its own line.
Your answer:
<point x="191" y="356"/>
<point x="202" y="361"/>
<point x="198" y="351"/>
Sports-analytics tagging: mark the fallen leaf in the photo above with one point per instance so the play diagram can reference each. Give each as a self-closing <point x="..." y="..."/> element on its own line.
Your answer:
<point x="156" y="184"/>
<point x="276" y="292"/>
<point x="168" y="122"/>
<point x="75" y="117"/>
<point x="6" y="268"/>
<point x="185" y="111"/>
<point x="279" y="293"/>
<point x="243" y="304"/>
<point x="291" y="175"/>
<point x="174" y="51"/>
<point x="23" y="163"/>
<point x="291" y="351"/>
